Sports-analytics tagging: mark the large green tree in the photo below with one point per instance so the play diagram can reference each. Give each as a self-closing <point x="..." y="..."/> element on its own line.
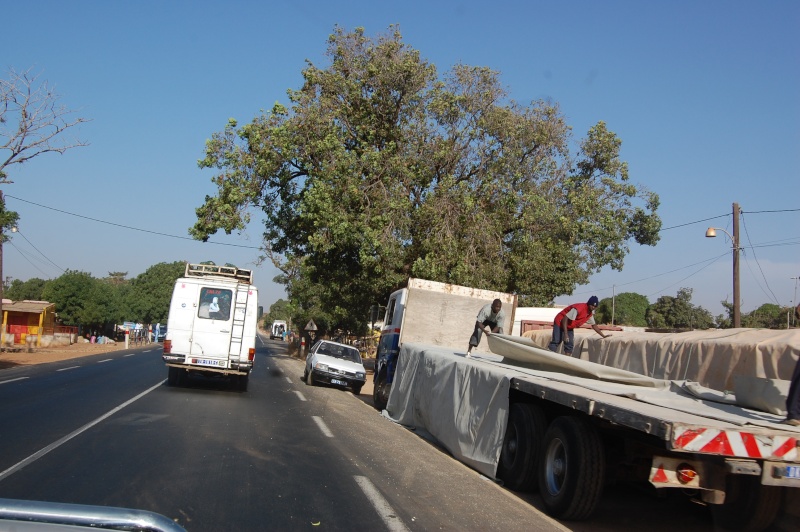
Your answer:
<point x="627" y="308"/>
<point x="21" y="290"/>
<point x="81" y="300"/>
<point x="380" y="169"/>
<point x="768" y="316"/>
<point x="148" y="295"/>
<point x="679" y="312"/>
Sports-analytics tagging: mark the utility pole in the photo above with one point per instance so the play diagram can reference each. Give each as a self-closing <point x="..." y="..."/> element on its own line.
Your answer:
<point x="613" y="302"/>
<point x="737" y="302"/>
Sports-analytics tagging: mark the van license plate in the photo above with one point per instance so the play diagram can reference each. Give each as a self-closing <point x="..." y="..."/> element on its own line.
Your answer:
<point x="337" y="381"/>
<point x="208" y="362"/>
<point x="792" y="472"/>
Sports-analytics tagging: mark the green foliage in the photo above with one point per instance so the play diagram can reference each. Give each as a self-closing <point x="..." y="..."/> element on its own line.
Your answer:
<point x="8" y="219"/>
<point x="767" y="316"/>
<point x="148" y="296"/>
<point x="22" y="290"/>
<point x="75" y="293"/>
<point x="98" y="304"/>
<point x="280" y="310"/>
<point x="380" y="169"/>
<point x="628" y="308"/>
<point x="678" y="313"/>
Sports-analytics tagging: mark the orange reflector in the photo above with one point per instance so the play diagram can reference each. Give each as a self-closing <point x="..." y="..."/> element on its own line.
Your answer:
<point x="685" y="473"/>
<point x="167" y="346"/>
<point x="251" y="353"/>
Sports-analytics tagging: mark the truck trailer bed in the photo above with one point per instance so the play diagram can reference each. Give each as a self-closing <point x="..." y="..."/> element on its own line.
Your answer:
<point x="463" y="403"/>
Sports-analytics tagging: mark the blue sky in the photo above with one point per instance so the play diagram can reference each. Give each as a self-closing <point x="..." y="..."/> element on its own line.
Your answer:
<point x="704" y="95"/>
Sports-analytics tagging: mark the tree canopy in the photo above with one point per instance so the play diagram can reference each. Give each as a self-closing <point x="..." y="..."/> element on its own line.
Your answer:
<point x="380" y="169"/>
<point x="629" y="308"/>
<point x="678" y="312"/>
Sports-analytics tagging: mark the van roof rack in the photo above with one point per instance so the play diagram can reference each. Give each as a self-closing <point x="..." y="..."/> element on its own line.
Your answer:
<point x="212" y="270"/>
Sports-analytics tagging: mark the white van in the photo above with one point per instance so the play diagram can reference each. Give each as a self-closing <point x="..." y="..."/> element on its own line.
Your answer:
<point x="277" y="329"/>
<point x="213" y="316"/>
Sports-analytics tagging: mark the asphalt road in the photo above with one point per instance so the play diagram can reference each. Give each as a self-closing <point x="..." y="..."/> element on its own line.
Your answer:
<point x="107" y="430"/>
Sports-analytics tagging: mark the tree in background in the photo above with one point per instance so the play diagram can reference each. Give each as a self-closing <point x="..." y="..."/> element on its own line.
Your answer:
<point x="32" y="123"/>
<point x="22" y="290"/>
<point x="628" y="308"/>
<point x="380" y="169"/>
<point x="73" y="293"/>
<point x="678" y="313"/>
<point x="767" y="316"/>
<point x="148" y="295"/>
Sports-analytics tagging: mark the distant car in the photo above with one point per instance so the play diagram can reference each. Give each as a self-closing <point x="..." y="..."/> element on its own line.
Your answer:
<point x="162" y="333"/>
<point x="335" y="363"/>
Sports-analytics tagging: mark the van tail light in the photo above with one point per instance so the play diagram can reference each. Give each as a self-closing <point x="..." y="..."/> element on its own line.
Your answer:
<point x="167" y="346"/>
<point x="251" y="354"/>
<point x="685" y="473"/>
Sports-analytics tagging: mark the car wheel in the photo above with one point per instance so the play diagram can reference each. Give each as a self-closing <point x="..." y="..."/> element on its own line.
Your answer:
<point x="356" y="390"/>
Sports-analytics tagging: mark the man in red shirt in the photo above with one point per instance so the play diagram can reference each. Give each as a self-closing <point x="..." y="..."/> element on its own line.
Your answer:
<point x="573" y="316"/>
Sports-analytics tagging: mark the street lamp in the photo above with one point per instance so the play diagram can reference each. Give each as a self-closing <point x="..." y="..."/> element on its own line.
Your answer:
<point x="711" y="233"/>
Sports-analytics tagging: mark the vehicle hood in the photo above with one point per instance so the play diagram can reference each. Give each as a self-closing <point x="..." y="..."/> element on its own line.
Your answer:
<point x="339" y="363"/>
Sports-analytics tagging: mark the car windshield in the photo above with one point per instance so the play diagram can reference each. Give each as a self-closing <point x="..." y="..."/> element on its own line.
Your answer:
<point x="340" y="351"/>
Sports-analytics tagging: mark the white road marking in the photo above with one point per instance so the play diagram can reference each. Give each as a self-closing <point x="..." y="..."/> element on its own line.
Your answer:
<point x="385" y="511"/>
<point x="65" y="369"/>
<point x="322" y="426"/>
<point x="129" y="355"/>
<point x="106" y="360"/>
<point x="13" y="380"/>
<point x="288" y="380"/>
<point x="300" y="395"/>
<point x="38" y="454"/>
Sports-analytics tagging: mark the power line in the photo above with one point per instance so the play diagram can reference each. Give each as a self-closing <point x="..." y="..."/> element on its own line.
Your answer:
<point x="775" y="299"/>
<point x="129" y="227"/>
<point x="40" y="253"/>
<point x="725" y="216"/>
<point x="25" y="256"/>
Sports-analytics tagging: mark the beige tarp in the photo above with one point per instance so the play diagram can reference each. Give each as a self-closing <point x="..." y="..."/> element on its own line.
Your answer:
<point x="463" y="403"/>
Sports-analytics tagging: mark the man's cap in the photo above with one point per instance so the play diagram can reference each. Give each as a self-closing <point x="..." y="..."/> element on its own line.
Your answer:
<point x="593" y="301"/>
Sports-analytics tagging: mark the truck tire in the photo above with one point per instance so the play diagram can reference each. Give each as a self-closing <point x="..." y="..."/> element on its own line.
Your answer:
<point x="172" y="376"/>
<point x="241" y="382"/>
<point x="572" y="468"/>
<point x="522" y="443"/>
<point x="748" y="504"/>
<point x="380" y="393"/>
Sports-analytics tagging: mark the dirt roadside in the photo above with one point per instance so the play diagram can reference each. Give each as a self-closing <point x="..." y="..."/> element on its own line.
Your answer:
<point x="41" y="355"/>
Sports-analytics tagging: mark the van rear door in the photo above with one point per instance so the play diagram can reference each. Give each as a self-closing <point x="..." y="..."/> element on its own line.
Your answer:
<point x="211" y="334"/>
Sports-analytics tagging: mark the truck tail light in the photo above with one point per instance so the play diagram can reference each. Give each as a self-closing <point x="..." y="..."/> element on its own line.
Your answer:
<point x="685" y="473"/>
<point x="251" y="354"/>
<point x="167" y="346"/>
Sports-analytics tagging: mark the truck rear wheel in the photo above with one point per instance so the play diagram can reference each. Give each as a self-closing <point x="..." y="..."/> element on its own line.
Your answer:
<point x="519" y="458"/>
<point x="572" y="468"/>
<point x="242" y="382"/>
<point x="380" y="393"/>
<point x="748" y="504"/>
